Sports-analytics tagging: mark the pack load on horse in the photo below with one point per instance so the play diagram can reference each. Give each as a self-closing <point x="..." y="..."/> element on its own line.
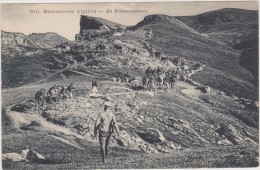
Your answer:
<point x="160" y="79"/>
<point x="166" y="83"/>
<point x="151" y="84"/>
<point x="62" y="94"/>
<point x="172" y="80"/>
<point x="53" y="94"/>
<point x="39" y="99"/>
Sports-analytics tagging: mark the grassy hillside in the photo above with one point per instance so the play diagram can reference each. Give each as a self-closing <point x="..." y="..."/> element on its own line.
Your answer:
<point x="223" y="60"/>
<point x="47" y="40"/>
<point x="24" y="69"/>
<point x="236" y="28"/>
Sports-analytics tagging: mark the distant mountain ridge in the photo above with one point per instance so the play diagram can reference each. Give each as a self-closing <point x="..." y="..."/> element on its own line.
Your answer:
<point x="15" y="43"/>
<point x="153" y="19"/>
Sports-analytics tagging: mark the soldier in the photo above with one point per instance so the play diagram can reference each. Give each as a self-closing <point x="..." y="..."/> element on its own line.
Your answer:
<point x="105" y="126"/>
<point x="148" y="71"/>
<point x="94" y="86"/>
<point x="69" y="90"/>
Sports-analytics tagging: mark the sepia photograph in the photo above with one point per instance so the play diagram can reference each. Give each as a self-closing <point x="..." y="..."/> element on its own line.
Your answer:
<point x="130" y="85"/>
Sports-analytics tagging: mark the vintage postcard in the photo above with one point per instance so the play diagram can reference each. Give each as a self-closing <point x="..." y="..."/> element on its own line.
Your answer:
<point x="119" y="85"/>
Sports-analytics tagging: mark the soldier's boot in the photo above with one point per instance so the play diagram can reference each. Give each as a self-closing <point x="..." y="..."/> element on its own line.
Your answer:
<point x="103" y="156"/>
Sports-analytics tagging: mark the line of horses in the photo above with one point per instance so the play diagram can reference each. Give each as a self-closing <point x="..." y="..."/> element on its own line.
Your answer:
<point x="165" y="79"/>
<point x="54" y="94"/>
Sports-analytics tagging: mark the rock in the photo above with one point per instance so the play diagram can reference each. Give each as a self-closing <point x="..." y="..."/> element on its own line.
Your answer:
<point x="94" y="95"/>
<point x="230" y="132"/>
<point x="129" y="96"/>
<point x="14" y="157"/>
<point x="34" y="156"/>
<point x="224" y="142"/>
<point x="205" y="89"/>
<point x="107" y="98"/>
<point x="22" y="107"/>
<point x="25" y="155"/>
<point x="150" y="93"/>
<point x="152" y="135"/>
<point x="32" y="126"/>
<point x="139" y="120"/>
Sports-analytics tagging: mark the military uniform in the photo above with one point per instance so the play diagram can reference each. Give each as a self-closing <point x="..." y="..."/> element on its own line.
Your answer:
<point x="105" y="126"/>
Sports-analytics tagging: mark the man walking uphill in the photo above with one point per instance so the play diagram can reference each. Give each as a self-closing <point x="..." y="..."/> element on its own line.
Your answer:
<point x="105" y="126"/>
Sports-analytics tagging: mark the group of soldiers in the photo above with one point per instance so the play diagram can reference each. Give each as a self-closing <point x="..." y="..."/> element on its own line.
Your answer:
<point x="161" y="79"/>
<point x="54" y="94"/>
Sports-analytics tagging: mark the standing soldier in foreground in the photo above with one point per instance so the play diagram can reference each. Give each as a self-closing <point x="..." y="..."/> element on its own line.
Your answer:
<point x="105" y="126"/>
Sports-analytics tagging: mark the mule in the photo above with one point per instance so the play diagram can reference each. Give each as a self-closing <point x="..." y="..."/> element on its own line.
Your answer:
<point x="53" y="94"/>
<point x="160" y="79"/>
<point x="151" y="85"/>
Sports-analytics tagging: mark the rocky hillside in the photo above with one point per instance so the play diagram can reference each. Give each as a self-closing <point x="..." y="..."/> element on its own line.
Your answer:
<point x="16" y="43"/>
<point x="209" y="118"/>
<point x="13" y="43"/>
<point x="47" y="40"/>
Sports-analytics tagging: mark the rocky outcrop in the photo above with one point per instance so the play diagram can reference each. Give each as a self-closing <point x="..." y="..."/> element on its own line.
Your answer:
<point x="15" y="43"/>
<point x="26" y="155"/>
<point x="91" y="28"/>
<point x="152" y="135"/>
<point x="230" y="133"/>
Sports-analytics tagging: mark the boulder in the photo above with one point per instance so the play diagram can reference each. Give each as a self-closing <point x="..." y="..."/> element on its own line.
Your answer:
<point x="224" y="142"/>
<point x="152" y="135"/>
<point x="150" y="93"/>
<point x="22" y="107"/>
<point x="27" y="155"/>
<point x="34" y="156"/>
<point x="206" y="89"/>
<point x="230" y="132"/>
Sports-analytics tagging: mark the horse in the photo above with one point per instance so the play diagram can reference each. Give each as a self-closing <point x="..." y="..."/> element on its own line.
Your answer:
<point x="164" y="60"/>
<point x="63" y="91"/>
<point x="39" y="100"/>
<point x="166" y="83"/>
<point x="172" y="80"/>
<point x="160" y="79"/>
<point x="151" y="84"/>
<point x="53" y="94"/>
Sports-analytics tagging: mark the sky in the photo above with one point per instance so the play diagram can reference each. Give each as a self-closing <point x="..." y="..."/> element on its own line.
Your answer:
<point x="23" y="17"/>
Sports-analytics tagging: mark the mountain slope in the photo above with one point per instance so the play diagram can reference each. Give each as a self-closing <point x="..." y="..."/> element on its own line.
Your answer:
<point x="234" y="27"/>
<point x="222" y="60"/>
<point x="47" y="40"/>
<point x="13" y="43"/>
